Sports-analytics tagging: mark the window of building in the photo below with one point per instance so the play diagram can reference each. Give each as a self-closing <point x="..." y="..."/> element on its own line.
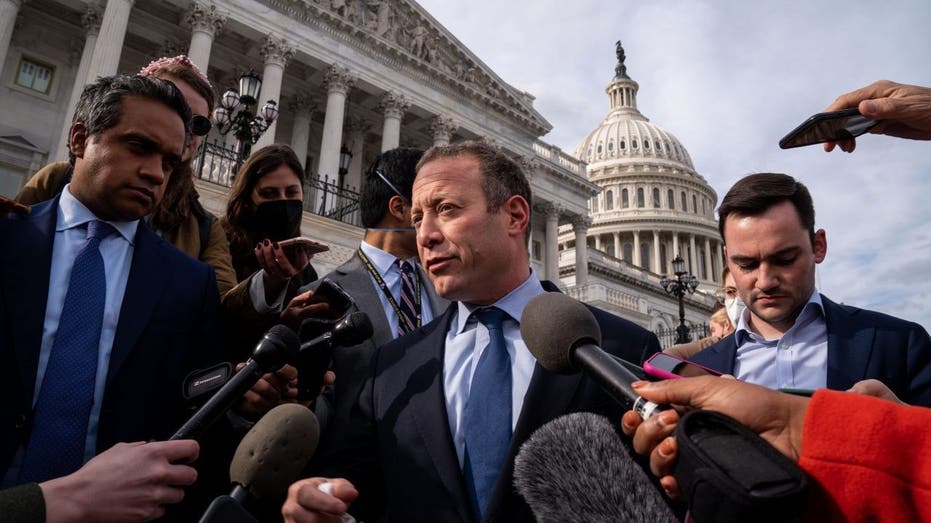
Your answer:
<point x="625" y="199"/>
<point x="35" y="75"/>
<point x="599" y="148"/>
<point x="694" y="204"/>
<point x="611" y="146"/>
<point x="684" y="202"/>
<point x="621" y="145"/>
<point x="628" y="253"/>
<point x="537" y="250"/>
<point x="610" y="250"/>
<point x="671" y="199"/>
<point x="640" y="198"/>
<point x="656" y="198"/>
<point x="659" y="146"/>
<point x="645" y="255"/>
<point x="702" y="264"/>
<point x="609" y="200"/>
<point x="646" y="144"/>
<point x="633" y="143"/>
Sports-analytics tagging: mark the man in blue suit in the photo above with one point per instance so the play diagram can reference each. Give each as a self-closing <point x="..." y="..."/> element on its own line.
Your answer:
<point x="100" y="319"/>
<point x="437" y="426"/>
<point x="791" y="336"/>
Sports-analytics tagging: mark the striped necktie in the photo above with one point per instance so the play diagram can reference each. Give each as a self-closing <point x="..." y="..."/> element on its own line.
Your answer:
<point x="410" y="312"/>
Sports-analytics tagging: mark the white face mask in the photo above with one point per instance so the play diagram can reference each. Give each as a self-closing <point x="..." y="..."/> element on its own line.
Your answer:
<point x="735" y="308"/>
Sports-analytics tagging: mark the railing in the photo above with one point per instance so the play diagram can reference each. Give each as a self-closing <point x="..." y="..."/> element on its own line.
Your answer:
<point x="667" y="337"/>
<point x="557" y="156"/>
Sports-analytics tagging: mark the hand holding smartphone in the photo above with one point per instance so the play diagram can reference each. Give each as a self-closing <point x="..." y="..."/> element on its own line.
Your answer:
<point x="835" y="126"/>
<point x="310" y="247"/>
<point x="665" y="366"/>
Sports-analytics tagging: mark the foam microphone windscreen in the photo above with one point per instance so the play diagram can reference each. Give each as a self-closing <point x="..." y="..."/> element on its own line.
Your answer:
<point x="353" y="330"/>
<point x="575" y="468"/>
<point x="274" y="452"/>
<point x="552" y="325"/>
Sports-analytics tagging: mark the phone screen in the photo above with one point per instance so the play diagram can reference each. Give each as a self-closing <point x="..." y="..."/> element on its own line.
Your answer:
<point x="679" y="367"/>
<point x="828" y="127"/>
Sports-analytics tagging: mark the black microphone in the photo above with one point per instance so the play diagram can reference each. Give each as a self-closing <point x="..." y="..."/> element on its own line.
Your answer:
<point x="279" y="345"/>
<point x="575" y="468"/>
<point x="269" y="458"/>
<point x="315" y="355"/>
<point x="564" y="337"/>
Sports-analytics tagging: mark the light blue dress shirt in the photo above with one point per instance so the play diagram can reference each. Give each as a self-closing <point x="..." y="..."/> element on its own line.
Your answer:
<point x="386" y="265"/>
<point x="798" y="360"/>
<point x="117" y="253"/>
<point x="465" y="342"/>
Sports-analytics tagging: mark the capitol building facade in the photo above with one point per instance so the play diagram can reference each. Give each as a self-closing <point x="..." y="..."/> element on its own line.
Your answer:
<point x="361" y="76"/>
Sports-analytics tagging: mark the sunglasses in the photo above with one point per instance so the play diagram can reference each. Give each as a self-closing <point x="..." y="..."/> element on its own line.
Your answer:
<point x="200" y="125"/>
<point x="392" y="187"/>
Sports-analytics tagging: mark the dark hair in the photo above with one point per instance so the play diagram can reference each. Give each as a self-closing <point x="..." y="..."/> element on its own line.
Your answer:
<point x="755" y="194"/>
<point x="100" y="106"/>
<point x="398" y="166"/>
<point x="240" y="209"/>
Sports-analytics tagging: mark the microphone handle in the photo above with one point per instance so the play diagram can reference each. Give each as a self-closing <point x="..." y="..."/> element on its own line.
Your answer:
<point x="220" y="402"/>
<point x="614" y="378"/>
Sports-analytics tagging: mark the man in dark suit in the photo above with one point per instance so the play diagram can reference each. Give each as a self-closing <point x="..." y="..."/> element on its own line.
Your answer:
<point x="100" y="320"/>
<point x="791" y="336"/>
<point x="448" y="406"/>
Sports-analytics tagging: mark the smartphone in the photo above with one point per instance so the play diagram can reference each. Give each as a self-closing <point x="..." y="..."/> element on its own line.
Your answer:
<point x="666" y="366"/>
<point x="339" y="300"/>
<point x="828" y="127"/>
<point x="309" y="245"/>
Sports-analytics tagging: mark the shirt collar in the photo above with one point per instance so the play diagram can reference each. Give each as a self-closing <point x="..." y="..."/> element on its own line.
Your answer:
<point x="812" y="309"/>
<point x="381" y="260"/>
<point x="512" y="303"/>
<point x="72" y="213"/>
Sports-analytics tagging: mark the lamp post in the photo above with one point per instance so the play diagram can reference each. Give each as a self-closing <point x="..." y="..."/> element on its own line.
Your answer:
<point x="246" y="126"/>
<point x="345" y="157"/>
<point x="683" y="284"/>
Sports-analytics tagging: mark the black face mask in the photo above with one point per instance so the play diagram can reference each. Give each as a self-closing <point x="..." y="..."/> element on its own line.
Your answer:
<point x="277" y="220"/>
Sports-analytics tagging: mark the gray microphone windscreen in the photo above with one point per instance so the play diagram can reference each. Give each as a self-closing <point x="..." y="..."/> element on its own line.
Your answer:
<point x="275" y="451"/>
<point x="575" y="468"/>
<point x="552" y="324"/>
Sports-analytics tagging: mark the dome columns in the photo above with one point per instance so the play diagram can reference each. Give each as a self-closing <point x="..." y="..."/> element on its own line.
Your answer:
<point x="580" y="225"/>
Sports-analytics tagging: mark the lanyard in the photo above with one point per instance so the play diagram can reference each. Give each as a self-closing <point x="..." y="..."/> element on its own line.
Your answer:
<point x="384" y="288"/>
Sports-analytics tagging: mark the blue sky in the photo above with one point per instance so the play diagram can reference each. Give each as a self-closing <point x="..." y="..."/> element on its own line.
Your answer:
<point x="729" y="78"/>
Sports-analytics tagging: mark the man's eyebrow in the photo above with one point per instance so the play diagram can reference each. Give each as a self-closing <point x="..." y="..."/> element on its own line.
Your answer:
<point x="781" y="252"/>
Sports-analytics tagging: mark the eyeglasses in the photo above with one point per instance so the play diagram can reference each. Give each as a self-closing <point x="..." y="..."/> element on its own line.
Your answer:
<point x="725" y="293"/>
<point x="392" y="187"/>
<point x="200" y="125"/>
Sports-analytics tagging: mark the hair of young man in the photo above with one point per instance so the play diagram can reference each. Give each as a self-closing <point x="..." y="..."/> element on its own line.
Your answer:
<point x="100" y="106"/>
<point x="399" y="167"/>
<point x="182" y="68"/>
<point x="755" y="194"/>
<point x="502" y="177"/>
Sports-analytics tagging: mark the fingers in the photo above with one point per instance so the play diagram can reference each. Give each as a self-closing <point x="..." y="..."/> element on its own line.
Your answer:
<point x="663" y="457"/>
<point x="653" y="430"/>
<point x="671" y="486"/>
<point x="307" y="502"/>
<point x="177" y="451"/>
<point x="630" y="421"/>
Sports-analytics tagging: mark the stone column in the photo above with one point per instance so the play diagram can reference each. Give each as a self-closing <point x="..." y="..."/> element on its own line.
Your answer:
<point x="617" y="246"/>
<point x="656" y="267"/>
<point x="708" y="260"/>
<point x="551" y="248"/>
<point x="637" y="259"/>
<point x="9" y="9"/>
<point x="205" y="24"/>
<point x="693" y="256"/>
<point x="675" y="244"/>
<point x="91" y="23"/>
<point x="356" y="128"/>
<point x="276" y="53"/>
<point x="109" y="45"/>
<point x="393" y="104"/>
<point x="302" y="107"/>
<point x="580" y="225"/>
<point x="443" y="128"/>
<point x="337" y="81"/>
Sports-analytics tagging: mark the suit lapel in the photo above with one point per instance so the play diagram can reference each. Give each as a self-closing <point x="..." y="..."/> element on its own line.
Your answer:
<point x="148" y="278"/>
<point x="849" y="346"/>
<point x="437" y="304"/>
<point x="354" y="278"/>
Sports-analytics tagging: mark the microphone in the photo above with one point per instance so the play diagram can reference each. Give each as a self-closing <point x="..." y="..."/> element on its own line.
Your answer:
<point x="575" y="468"/>
<point x="315" y="355"/>
<point x="572" y="344"/>
<point x="269" y="458"/>
<point x="274" y="350"/>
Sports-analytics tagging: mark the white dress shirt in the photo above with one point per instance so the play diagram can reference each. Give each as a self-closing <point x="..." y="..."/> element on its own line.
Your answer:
<point x="386" y="265"/>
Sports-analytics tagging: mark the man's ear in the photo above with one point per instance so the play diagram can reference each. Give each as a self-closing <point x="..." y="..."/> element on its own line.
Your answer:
<point x="396" y="209"/>
<point x="820" y="245"/>
<point x="518" y="214"/>
<point x="77" y="139"/>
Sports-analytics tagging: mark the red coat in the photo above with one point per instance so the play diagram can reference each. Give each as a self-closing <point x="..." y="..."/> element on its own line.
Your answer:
<point x="869" y="459"/>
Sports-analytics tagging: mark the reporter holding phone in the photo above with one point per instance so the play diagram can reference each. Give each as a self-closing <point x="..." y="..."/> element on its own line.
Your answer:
<point x="905" y="111"/>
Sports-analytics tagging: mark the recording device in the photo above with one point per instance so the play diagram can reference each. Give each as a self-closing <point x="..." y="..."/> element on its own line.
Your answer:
<point x="309" y="246"/>
<point x="668" y="367"/>
<point x="315" y="355"/>
<point x="279" y="346"/>
<point x="834" y="126"/>
<point x="339" y="301"/>
<point x="571" y="345"/>
<point x="575" y="468"/>
<point x="270" y="457"/>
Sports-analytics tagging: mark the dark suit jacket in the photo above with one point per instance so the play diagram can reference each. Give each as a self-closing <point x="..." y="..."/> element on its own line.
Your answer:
<point x="352" y="364"/>
<point x="400" y="454"/>
<point x="862" y="344"/>
<point x="168" y="326"/>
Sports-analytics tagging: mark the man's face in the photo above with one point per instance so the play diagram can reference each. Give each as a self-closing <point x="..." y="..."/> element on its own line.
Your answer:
<point x="198" y="106"/>
<point x="120" y="174"/>
<point x="468" y="252"/>
<point x="772" y="260"/>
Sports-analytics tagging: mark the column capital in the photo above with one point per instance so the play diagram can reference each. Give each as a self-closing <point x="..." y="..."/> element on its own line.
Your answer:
<point x="276" y="51"/>
<point x="300" y="103"/>
<point x="394" y="104"/>
<point x="550" y="209"/>
<point x="205" y="18"/>
<point x="528" y="165"/>
<point x="338" y="79"/>
<point x="357" y="124"/>
<point x="580" y="223"/>
<point x="91" y="19"/>
<point x="170" y="47"/>
<point x="443" y="126"/>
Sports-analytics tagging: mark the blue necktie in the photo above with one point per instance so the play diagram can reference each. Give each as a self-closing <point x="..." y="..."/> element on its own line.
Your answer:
<point x="59" y="430"/>
<point x="408" y="305"/>
<point x="486" y="419"/>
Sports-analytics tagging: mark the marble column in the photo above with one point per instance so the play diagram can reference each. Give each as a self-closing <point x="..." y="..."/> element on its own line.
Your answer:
<point x="9" y="9"/>
<point x="302" y="107"/>
<point x="277" y="54"/>
<point x="205" y="24"/>
<point x="109" y="45"/>
<point x="655" y="264"/>
<point x="442" y="128"/>
<point x="91" y="23"/>
<point x="675" y="244"/>
<point x="580" y="225"/>
<point x="708" y="264"/>
<point x="618" y="253"/>
<point x="637" y="259"/>
<point x="598" y="242"/>
<point x="551" y="247"/>
<point x="693" y="256"/>
<point x="337" y="81"/>
<point x="393" y="104"/>
<point x="356" y="129"/>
